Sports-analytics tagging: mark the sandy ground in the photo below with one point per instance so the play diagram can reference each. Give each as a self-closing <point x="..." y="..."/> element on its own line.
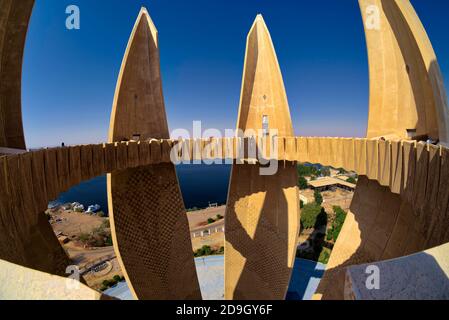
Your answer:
<point x="74" y="223"/>
<point x="339" y="197"/>
<point x="215" y="241"/>
<point x="199" y="218"/>
<point x="198" y="221"/>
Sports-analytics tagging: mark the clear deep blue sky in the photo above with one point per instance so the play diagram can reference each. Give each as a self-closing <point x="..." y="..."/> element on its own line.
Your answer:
<point x="69" y="77"/>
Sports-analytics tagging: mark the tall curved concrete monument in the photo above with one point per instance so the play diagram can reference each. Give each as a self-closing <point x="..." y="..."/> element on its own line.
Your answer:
<point x="400" y="207"/>
<point x="26" y="237"/>
<point x="14" y="19"/>
<point x="262" y="215"/>
<point x="148" y="218"/>
<point x="407" y="101"/>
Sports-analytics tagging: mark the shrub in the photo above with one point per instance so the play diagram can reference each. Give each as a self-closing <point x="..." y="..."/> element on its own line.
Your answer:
<point x="301" y="204"/>
<point x="101" y="214"/>
<point x="318" y="197"/>
<point x="302" y="183"/>
<point x="84" y="237"/>
<point x="117" y="278"/>
<point x="340" y="217"/>
<point x="351" y="180"/>
<point x="324" y="256"/>
<point x="307" y="170"/>
<point x="309" y="215"/>
<point x="210" y="221"/>
<point x="108" y="242"/>
<point x="207" y="251"/>
<point x="204" y="251"/>
<point x="106" y="224"/>
<point x="219" y="217"/>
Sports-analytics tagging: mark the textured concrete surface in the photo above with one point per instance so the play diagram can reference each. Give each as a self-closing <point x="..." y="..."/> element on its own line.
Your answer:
<point x="14" y="19"/>
<point x="406" y="85"/>
<point x="422" y="276"/>
<point x="20" y="283"/>
<point x="148" y="219"/>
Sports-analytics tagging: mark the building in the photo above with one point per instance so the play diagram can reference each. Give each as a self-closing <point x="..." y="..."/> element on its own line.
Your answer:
<point x="329" y="183"/>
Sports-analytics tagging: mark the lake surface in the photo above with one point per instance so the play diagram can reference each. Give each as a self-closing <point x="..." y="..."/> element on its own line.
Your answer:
<point x="200" y="185"/>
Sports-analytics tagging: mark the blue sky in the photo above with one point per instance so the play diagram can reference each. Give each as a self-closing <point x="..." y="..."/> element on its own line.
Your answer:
<point x="69" y="77"/>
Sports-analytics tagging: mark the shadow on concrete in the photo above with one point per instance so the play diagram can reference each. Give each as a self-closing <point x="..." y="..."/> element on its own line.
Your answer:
<point x="384" y="225"/>
<point x="266" y="273"/>
<point x="424" y="280"/>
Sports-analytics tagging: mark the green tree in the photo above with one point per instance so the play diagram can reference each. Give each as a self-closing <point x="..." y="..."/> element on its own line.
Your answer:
<point x="309" y="215"/>
<point x="351" y="180"/>
<point x="318" y="197"/>
<point x="324" y="256"/>
<point x="325" y="171"/>
<point x="340" y="217"/>
<point x="301" y="204"/>
<point x="302" y="183"/>
<point x="307" y="170"/>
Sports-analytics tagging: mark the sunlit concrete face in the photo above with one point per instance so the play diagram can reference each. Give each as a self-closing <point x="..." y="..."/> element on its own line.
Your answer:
<point x="407" y="94"/>
<point x="262" y="216"/>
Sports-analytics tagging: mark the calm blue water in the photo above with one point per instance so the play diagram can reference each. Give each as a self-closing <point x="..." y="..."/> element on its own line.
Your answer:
<point x="200" y="185"/>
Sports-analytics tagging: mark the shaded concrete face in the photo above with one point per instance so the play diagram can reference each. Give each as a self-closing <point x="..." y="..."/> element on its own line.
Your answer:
<point x="148" y="218"/>
<point x="14" y="19"/>
<point x="26" y="237"/>
<point x="427" y="278"/>
<point x="262" y="217"/>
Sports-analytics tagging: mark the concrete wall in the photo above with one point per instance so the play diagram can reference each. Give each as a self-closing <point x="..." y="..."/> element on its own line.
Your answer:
<point x="14" y="18"/>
